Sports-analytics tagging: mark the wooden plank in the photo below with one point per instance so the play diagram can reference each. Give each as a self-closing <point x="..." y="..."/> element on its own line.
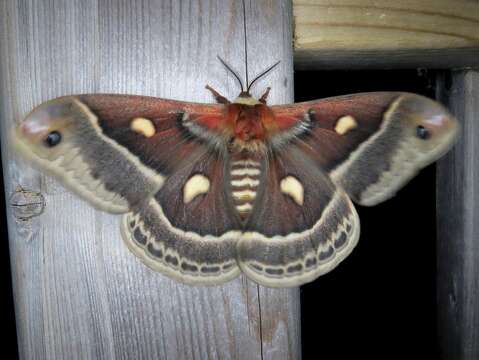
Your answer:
<point x="386" y="33"/>
<point x="79" y="293"/>
<point x="458" y="224"/>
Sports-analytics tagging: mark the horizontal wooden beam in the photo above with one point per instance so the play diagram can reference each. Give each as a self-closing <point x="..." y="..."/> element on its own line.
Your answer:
<point x="386" y="33"/>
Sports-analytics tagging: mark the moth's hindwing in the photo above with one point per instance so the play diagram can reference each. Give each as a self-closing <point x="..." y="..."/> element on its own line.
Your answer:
<point x="183" y="255"/>
<point x="370" y="144"/>
<point x="302" y="225"/>
<point x="188" y="230"/>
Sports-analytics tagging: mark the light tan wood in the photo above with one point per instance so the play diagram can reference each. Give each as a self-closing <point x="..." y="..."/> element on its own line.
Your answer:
<point x="386" y="33"/>
<point x="458" y="224"/>
<point x="79" y="293"/>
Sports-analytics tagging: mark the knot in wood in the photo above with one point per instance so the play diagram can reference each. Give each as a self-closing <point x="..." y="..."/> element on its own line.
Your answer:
<point x="26" y="204"/>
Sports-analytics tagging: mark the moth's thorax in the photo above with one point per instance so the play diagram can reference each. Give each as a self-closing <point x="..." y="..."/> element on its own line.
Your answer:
<point x="250" y="125"/>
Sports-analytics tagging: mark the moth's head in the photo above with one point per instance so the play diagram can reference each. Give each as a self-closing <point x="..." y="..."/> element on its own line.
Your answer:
<point x="245" y="98"/>
<point x="45" y="132"/>
<point x="431" y="128"/>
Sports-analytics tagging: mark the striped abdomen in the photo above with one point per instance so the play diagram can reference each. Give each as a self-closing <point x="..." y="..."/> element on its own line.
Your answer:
<point x="245" y="178"/>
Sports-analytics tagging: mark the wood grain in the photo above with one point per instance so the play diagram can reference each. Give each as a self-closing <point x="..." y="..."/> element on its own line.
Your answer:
<point x="458" y="224"/>
<point x="79" y="293"/>
<point x="386" y="33"/>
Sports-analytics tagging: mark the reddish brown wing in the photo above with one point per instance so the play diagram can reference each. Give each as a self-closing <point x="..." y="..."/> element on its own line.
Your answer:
<point x="302" y="224"/>
<point x="173" y="140"/>
<point x="188" y="230"/>
<point x="116" y="150"/>
<point x="370" y="143"/>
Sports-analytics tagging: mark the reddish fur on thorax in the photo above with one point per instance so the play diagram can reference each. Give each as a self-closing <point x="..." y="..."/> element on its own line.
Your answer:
<point x="250" y="122"/>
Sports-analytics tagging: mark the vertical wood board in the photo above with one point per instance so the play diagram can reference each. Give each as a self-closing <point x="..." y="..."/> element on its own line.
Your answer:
<point x="458" y="224"/>
<point x="79" y="293"/>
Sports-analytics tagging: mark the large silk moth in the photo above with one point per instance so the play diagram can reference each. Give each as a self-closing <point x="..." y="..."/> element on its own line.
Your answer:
<point x="212" y="190"/>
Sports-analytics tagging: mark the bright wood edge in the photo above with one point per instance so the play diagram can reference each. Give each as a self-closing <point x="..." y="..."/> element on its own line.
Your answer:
<point x="386" y="33"/>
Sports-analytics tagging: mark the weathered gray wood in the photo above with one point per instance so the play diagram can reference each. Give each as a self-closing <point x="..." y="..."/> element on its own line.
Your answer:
<point x="79" y="293"/>
<point x="458" y="225"/>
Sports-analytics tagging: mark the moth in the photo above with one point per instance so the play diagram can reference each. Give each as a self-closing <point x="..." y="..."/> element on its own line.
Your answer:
<point x="212" y="190"/>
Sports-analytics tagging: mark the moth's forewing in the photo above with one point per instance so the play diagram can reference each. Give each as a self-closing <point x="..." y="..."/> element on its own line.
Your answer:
<point x="373" y="143"/>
